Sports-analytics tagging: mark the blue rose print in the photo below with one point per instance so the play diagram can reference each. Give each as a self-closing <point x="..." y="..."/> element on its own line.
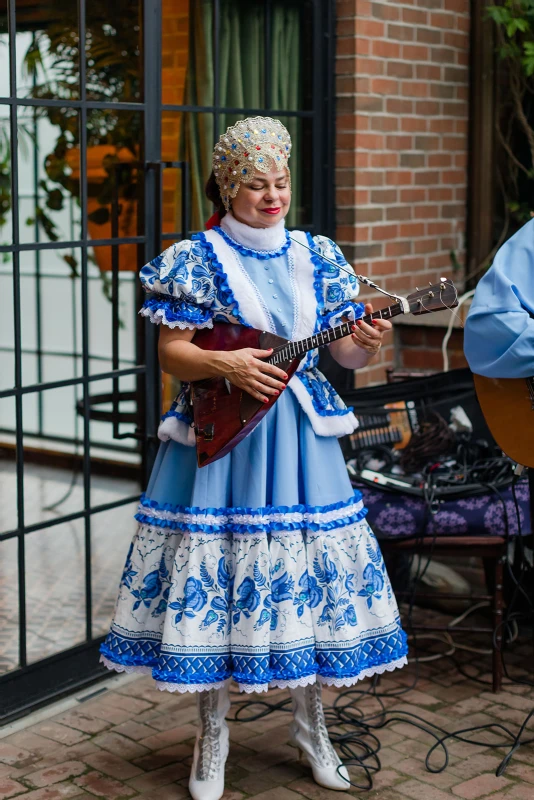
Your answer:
<point x="249" y="600"/>
<point x="374" y="583"/>
<point x="152" y="588"/>
<point x="309" y="594"/>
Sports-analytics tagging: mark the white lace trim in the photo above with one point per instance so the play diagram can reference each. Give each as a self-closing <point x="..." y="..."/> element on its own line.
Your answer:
<point x="261" y="239"/>
<point x="158" y="317"/>
<point x="182" y="688"/>
<point x="111" y="665"/>
<point x="221" y="520"/>
<point x="365" y="673"/>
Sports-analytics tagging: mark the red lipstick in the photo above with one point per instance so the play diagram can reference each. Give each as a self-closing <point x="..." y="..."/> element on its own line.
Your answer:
<point x="272" y="211"/>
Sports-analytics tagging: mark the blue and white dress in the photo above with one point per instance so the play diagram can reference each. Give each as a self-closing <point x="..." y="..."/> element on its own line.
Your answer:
<point x="259" y="566"/>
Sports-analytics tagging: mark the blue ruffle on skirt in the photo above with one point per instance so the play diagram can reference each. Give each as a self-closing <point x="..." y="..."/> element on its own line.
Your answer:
<point x="260" y="567"/>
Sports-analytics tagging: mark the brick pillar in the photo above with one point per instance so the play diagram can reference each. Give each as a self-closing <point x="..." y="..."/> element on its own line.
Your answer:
<point x="402" y="141"/>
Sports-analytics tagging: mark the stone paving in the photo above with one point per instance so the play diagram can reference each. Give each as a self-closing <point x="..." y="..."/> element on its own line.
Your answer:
<point x="129" y="740"/>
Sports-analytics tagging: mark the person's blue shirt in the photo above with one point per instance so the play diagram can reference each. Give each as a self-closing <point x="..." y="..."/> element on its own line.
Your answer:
<point x="499" y="331"/>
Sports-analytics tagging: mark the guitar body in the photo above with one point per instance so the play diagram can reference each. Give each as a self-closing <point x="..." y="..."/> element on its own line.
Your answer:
<point x="223" y="413"/>
<point x="507" y="405"/>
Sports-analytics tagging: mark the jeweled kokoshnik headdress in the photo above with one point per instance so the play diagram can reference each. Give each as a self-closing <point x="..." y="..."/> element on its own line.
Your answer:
<point x="255" y="144"/>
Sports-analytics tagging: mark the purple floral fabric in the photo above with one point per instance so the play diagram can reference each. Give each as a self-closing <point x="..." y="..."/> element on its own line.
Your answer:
<point x="395" y="515"/>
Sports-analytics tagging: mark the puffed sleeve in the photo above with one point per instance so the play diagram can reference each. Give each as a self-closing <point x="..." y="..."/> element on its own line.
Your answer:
<point x="336" y="290"/>
<point x="180" y="287"/>
<point x="499" y="330"/>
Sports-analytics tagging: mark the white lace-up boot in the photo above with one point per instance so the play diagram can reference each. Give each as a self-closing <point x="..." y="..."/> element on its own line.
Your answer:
<point x="309" y="733"/>
<point x="211" y="746"/>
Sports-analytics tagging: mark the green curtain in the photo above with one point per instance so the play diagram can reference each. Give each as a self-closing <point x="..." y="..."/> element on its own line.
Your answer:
<point x="241" y="84"/>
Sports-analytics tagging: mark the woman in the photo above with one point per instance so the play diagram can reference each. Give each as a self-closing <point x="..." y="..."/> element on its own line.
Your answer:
<point x="259" y="567"/>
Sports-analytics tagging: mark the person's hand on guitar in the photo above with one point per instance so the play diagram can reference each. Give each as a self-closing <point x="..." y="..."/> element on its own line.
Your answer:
<point x="369" y="337"/>
<point x="368" y="341"/>
<point x="179" y="356"/>
<point x="245" y="368"/>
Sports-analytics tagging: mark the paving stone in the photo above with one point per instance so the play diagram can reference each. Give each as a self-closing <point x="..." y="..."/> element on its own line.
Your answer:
<point x="87" y="723"/>
<point x="170" y="792"/>
<point x="56" y="773"/>
<point x="9" y="787"/>
<point x="60" y="733"/>
<point x="417" y="769"/>
<point x="476" y="765"/>
<point x="120" y="745"/>
<point x="311" y="790"/>
<point x="104" y="786"/>
<point x="109" y="713"/>
<point x="278" y="794"/>
<point x="134" y="730"/>
<point x="128" y="703"/>
<point x="422" y="791"/>
<point x="159" y="777"/>
<point x="158" y="741"/>
<point x="56" y="792"/>
<point x="112" y="765"/>
<point x="160" y="758"/>
<point x="14" y="755"/>
<point x="480" y="786"/>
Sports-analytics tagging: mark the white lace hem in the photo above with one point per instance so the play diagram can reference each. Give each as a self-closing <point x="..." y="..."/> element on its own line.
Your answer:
<point x="113" y="666"/>
<point x="158" y="317"/>
<point x="365" y="673"/>
<point x="257" y="688"/>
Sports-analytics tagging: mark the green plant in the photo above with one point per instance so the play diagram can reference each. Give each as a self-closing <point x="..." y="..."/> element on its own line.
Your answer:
<point x="113" y="72"/>
<point x="514" y="25"/>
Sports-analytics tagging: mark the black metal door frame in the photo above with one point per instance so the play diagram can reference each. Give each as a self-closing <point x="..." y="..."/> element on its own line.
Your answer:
<point x="32" y="685"/>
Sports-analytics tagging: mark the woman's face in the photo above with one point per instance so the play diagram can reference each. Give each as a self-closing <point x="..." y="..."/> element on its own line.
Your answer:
<point x="263" y="202"/>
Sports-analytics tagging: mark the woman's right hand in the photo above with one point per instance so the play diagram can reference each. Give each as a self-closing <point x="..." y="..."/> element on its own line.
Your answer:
<point x="244" y="368"/>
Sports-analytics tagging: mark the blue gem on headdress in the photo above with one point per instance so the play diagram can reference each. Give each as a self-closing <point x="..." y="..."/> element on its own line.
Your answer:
<point x="278" y="158"/>
<point x="264" y="130"/>
<point x="260" y="160"/>
<point x="247" y="135"/>
<point x="287" y="147"/>
<point x="279" y="135"/>
<point x="223" y="158"/>
<point x="234" y="146"/>
<point x="232" y="185"/>
<point x="244" y="171"/>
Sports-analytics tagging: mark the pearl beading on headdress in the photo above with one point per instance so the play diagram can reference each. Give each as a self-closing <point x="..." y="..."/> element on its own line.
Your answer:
<point x="254" y="144"/>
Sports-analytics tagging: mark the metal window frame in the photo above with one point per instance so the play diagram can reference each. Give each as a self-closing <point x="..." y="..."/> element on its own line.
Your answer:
<point x="31" y="685"/>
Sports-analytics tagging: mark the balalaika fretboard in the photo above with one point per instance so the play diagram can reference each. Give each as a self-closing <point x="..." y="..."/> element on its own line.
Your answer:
<point x="292" y="350"/>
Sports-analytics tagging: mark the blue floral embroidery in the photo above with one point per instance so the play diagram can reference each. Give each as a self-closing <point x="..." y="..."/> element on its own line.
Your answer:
<point x="310" y="593"/>
<point x="249" y="600"/>
<point x="128" y="573"/>
<point x="337" y="611"/>
<point x="373" y="577"/>
<point x="152" y="588"/>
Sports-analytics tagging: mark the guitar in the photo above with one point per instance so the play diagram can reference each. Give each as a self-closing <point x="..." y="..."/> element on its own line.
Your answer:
<point x="224" y="414"/>
<point x="508" y="408"/>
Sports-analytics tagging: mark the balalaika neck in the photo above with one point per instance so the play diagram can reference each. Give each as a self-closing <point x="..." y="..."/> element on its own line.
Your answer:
<point x="297" y="349"/>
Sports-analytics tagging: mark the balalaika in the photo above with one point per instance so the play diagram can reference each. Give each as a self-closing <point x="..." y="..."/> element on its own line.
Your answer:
<point x="224" y="414"/>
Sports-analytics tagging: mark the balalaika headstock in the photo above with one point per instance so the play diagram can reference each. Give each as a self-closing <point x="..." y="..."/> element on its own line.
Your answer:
<point x="435" y="297"/>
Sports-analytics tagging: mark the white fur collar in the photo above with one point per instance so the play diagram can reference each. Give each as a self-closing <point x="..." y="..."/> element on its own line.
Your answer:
<point x="254" y="238"/>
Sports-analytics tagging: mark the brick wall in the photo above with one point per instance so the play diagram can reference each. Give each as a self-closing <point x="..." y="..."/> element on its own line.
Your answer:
<point x="402" y="138"/>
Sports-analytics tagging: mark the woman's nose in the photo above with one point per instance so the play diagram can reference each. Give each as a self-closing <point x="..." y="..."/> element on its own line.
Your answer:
<point x="272" y="193"/>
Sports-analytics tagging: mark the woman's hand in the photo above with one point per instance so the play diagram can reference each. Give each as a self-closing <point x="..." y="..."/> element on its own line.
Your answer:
<point x="369" y="337"/>
<point x="245" y="369"/>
